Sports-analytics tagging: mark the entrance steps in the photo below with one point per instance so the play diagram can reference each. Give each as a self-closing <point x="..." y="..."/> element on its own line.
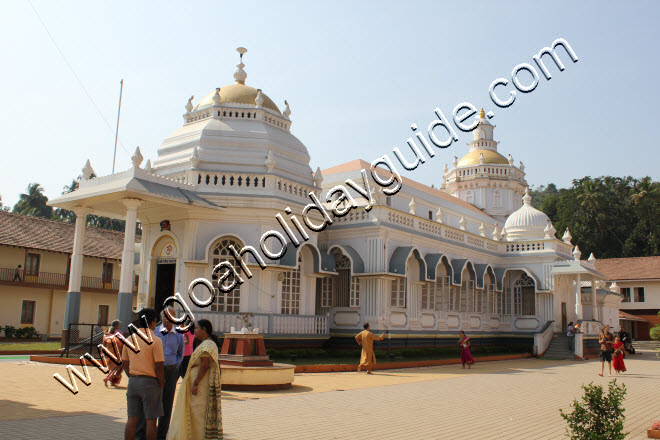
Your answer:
<point x="558" y="349"/>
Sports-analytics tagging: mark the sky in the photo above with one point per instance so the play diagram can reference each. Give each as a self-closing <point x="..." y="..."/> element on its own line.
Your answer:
<point x="356" y="76"/>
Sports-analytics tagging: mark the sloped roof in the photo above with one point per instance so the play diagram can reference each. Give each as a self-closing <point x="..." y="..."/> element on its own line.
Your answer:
<point x="359" y="164"/>
<point x="55" y="236"/>
<point x="639" y="268"/>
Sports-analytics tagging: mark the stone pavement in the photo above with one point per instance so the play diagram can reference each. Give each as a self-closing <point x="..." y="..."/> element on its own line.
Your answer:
<point x="496" y="400"/>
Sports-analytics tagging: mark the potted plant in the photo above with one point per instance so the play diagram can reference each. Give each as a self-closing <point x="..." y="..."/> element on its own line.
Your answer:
<point x="654" y="430"/>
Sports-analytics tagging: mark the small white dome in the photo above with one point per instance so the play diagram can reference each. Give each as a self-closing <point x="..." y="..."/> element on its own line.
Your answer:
<point x="527" y="223"/>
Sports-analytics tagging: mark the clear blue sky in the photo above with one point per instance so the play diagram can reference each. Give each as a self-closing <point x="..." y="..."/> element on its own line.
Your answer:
<point x="356" y="76"/>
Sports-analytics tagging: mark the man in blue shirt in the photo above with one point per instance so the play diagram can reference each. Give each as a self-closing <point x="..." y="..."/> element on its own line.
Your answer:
<point x="173" y="350"/>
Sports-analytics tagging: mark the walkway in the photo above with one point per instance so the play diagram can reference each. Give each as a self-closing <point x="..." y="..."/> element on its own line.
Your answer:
<point x="499" y="400"/>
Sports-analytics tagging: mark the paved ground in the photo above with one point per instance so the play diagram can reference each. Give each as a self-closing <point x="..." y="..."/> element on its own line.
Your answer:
<point x="496" y="400"/>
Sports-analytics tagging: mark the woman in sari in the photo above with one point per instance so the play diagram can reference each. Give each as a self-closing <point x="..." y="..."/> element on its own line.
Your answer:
<point x="197" y="413"/>
<point x="466" y="356"/>
<point x="617" y="358"/>
<point x="110" y="339"/>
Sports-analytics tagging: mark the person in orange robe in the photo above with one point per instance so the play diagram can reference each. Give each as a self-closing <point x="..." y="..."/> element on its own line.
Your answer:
<point x="366" y="340"/>
<point x="617" y="359"/>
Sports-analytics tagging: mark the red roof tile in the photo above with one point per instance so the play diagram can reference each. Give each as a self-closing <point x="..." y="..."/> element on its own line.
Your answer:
<point x="640" y="268"/>
<point x="51" y="235"/>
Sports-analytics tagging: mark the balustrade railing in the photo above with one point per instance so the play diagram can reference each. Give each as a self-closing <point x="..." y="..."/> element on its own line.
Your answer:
<point x="270" y="324"/>
<point x="55" y="279"/>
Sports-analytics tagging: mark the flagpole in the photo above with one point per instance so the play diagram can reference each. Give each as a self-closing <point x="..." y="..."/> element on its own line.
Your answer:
<point x="114" y="156"/>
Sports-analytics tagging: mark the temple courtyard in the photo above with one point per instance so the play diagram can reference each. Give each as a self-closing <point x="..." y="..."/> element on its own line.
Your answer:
<point x="496" y="400"/>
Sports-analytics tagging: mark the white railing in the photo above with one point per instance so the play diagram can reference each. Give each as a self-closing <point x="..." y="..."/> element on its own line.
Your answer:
<point x="543" y="338"/>
<point x="269" y="324"/>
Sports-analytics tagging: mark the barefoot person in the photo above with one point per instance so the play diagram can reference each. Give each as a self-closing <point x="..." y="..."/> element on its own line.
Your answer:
<point x="617" y="357"/>
<point x="366" y="340"/>
<point x="606" y="340"/>
<point x="109" y="341"/>
<point x="466" y="355"/>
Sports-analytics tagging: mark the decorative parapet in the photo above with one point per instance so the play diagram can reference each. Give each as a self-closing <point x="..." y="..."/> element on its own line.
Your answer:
<point x="238" y="111"/>
<point x="137" y="173"/>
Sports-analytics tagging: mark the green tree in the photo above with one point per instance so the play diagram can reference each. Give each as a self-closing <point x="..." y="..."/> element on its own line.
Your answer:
<point x="597" y="416"/>
<point x="645" y="196"/>
<point x="33" y="202"/>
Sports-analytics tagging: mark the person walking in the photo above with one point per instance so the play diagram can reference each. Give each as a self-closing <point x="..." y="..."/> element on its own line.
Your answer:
<point x="366" y="340"/>
<point x="606" y="340"/>
<point x="17" y="274"/>
<point x="188" y="339"/>
<point x="110" y="341"/>
<point x="198" y="410"/>
<point x="617" y="357"/>
<point x="145" y="373"/>
<point x="466" y="354"/>
<point x="173" y="347"/>
<point x="571" y="336"/>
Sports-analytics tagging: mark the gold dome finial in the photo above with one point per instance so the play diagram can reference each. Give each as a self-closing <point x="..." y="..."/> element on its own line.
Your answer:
<point x="482" y="115"/>
<point x="240" y="75"/>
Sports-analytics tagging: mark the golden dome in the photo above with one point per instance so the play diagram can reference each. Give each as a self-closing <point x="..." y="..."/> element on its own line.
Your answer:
<point x="490" y="156"/>
<point x="239" y="94"/>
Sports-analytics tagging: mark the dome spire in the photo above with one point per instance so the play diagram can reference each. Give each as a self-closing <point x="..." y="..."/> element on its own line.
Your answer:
<point x="482" y="114"/>
<point x="527" y="199"/>
<point x="240" y="75"/>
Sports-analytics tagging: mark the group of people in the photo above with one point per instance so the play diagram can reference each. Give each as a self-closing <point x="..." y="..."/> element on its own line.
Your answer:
<point x="368" y="358"/>
<point x="154" y="371"/>
<point x="612" y="350"/>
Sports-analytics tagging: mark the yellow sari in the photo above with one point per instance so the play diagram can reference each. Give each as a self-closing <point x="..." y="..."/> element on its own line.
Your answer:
<point x="200" y="416"/>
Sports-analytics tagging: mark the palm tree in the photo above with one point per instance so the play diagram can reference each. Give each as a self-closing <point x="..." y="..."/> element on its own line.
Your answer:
<point x="645" y="197"/>
<point x="591" y="199"/>
<point x="33" y="202"/>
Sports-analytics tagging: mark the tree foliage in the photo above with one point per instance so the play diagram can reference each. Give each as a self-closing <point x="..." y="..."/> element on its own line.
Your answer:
<point x="612" y="217"/>
<point x="597" y="416"/>
<point x="34" y="203"/>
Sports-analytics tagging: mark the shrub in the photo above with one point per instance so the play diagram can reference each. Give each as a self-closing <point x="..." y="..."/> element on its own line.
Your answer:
<point x="10" y="331"/>
<point x="656" y="425"/>
<point x="597" y="416"/>
<point x="30" y="333"/>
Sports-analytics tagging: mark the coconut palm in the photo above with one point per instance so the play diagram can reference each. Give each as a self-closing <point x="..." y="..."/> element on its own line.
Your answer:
<point x="645" y="196"/>
<point x="33" y="202"/>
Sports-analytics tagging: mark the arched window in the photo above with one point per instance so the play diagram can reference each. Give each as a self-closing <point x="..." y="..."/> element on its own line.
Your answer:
<point x="482" y="134"/>
<point x="226" y="301"/>
<point x="524" y="296"/>
<point x="291" y="291"/>
<point x="343" y="286"/>
<point x="469" y="196"/>
<point x="497" y="198"/>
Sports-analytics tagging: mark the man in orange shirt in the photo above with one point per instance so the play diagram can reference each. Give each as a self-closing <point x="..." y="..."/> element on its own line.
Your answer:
<point x="146" y="377"/>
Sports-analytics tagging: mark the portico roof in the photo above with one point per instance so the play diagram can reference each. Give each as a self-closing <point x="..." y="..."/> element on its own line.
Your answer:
<point x="104" y="194"/>
<point x="575" y="267"/>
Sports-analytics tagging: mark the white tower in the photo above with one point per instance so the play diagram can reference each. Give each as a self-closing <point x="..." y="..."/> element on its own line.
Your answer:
<point x="484" y="177"/>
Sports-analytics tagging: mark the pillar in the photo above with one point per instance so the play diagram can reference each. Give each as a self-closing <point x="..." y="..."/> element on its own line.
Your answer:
<point x="578" y="298"/>
<point x="125" y="295"/>
<point x="72" y="305"/>
<point x="594" y="300"/>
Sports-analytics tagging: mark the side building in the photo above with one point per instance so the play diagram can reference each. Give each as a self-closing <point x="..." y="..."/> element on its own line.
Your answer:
<point x="639" y="284"/>
<point x="35" y="255"/>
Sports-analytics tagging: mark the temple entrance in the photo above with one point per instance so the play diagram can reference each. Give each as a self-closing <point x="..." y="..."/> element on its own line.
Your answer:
<point x="564" y="318"/>
<point x="165" y="272"/>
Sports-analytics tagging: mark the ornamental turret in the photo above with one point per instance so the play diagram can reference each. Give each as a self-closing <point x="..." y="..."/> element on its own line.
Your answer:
<point x="484" y="177"/>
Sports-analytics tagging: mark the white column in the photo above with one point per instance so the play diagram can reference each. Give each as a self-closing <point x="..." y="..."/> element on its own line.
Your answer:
<point x="594" y="300"/>
<point x="125" y="295"/>
<point x="578" y="297"/>
<point x="72" y="307"/>
<point x="145" y="268"/>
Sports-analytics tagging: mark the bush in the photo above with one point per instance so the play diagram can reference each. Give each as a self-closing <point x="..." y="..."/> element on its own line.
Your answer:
<point x="598" y="416"/>
<point x="30" y="333"/>
<point x="10" y="330"/>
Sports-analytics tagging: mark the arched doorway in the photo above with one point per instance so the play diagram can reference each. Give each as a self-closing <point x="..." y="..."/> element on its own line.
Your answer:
<point x="165" y="254"/>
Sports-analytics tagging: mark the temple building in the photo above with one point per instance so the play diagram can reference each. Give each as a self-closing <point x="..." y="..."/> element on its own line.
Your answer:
<point x="421" y="264"/>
